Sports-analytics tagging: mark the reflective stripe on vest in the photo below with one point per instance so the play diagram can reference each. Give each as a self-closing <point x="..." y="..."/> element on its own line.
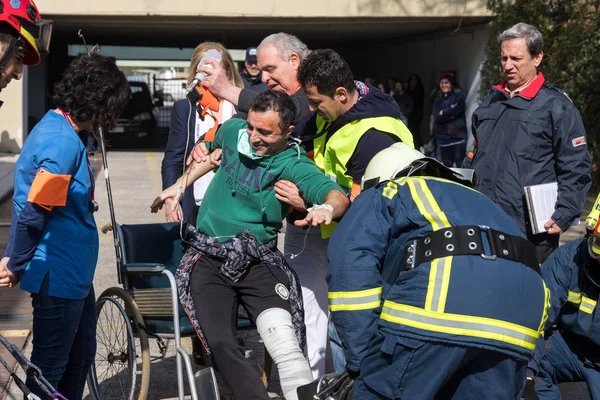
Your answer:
<point x="463" y="325"/>
<point x="331" y="154"/>
<point x="353" y="301"/>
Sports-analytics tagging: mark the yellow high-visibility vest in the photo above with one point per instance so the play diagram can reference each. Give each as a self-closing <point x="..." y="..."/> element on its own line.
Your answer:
<point x="333" y="153"/>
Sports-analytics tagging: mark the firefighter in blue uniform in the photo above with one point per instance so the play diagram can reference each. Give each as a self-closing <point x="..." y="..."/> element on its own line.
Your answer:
<point x="571" y="352"/>
<point x="434" y="290"/>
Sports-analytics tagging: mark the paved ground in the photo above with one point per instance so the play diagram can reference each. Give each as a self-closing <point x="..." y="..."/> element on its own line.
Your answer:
<point x="135" y="177"/>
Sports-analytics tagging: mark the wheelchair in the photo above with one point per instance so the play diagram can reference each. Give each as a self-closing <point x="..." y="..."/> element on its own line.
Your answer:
<point x="147" y="307"/>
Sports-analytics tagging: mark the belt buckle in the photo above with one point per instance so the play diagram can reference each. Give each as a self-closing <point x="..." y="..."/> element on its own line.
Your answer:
<point x="492" y="257"/>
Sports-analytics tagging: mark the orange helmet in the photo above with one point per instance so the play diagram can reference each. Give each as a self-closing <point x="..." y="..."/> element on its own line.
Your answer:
<point x="25" y="18"/>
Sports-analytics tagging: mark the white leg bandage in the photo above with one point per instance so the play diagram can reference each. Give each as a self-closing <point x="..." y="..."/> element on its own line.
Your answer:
<point x="277" y="332"/>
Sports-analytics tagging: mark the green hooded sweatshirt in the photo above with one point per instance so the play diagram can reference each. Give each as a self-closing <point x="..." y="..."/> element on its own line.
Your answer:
<point x="242" y="193"/>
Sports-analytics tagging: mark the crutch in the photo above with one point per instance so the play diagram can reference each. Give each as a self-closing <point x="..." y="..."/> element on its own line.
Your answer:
<point x="111" y="207"/>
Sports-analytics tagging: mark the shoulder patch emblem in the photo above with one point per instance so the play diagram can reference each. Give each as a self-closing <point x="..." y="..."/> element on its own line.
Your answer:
<point x="282" y="291"/>
<point x="579" y="141"/>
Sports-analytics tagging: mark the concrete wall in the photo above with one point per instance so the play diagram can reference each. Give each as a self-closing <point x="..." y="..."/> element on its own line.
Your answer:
<point x="462" y="52"/>
<point x="269" y="8"/>
<point x="13" y="115"/>
<point x="27" y="101"/>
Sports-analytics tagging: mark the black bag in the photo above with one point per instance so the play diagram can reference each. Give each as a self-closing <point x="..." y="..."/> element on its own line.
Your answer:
<point x="337" y="386"/>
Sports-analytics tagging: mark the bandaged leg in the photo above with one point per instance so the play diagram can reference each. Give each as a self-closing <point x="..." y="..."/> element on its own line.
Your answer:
<point x="277" y="332"/>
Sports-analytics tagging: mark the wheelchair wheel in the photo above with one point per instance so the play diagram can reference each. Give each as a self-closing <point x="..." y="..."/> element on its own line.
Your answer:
<point x="122" y="366"/>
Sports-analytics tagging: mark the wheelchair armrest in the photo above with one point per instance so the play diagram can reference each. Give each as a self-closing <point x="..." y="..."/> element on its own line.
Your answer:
<point x="143" y="268"/>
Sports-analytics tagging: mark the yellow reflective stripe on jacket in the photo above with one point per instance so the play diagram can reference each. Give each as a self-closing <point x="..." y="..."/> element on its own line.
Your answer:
<point x="353" y="301"/>
<point x="574" y="297"/>
<point x="463" y="325"/>
<point x="587" y="305"/>
<point x="426" y="204"/>
<point x="390" y="190"/>
<point x="439" y="279"/>
<point x="546" y="307"/>
<point x="439" y="275"/>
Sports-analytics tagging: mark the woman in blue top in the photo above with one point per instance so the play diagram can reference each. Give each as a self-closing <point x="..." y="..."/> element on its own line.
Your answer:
<point x="53" y="243"/>
<point x="449" y="125"/>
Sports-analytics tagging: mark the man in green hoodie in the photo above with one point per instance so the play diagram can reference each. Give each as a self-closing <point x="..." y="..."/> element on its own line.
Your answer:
<point x="233" y="253"/>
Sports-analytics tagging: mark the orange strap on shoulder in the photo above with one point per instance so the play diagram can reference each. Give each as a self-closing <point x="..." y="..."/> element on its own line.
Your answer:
<point x="49" y="190"/>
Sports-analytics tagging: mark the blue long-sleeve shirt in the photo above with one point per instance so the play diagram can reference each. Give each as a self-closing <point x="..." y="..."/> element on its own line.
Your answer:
<point x="62" y="241"/>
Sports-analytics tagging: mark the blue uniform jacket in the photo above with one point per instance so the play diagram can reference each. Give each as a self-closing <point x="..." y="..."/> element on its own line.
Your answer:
<point x="451" y="126"/>
<point x="573" y="300"/>
<point x="463" y="300"/>
<point x="180" y="133"/>
<point x="68" y="247"/>
<point x="532" y="138"/>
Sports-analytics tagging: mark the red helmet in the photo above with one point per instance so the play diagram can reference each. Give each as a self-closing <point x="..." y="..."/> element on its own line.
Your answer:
<point x="25" y="18"/>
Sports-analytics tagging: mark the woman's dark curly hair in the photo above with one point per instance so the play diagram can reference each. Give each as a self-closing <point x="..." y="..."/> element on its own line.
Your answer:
<point x="93" y="88"/>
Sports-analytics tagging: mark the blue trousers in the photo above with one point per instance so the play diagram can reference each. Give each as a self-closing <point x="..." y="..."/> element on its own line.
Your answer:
<point x="560" y="364"/>
<point x="64" y="341"/>
<point x="404" y="368"/>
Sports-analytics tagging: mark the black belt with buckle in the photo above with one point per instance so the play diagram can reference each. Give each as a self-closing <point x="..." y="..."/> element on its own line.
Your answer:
<point x="468" y="240"/>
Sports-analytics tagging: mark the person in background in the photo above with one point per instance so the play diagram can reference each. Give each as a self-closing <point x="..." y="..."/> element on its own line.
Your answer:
<point x="416" y="92"/>
<point x="53" y="243"/>
<point x="404" y="101"/>
<point x="251" y="74"/>
<point x="449" y="124"/>
<point x="187" y="127"/>
<point x="391" y="84"/>
<point x="528" y="132"/>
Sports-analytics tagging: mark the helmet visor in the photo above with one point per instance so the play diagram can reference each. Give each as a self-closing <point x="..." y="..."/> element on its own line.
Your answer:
<point x="45" y="34"/>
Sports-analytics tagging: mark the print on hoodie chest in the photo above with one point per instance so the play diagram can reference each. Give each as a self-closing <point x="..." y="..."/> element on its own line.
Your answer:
<point x="245" y="180"/>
